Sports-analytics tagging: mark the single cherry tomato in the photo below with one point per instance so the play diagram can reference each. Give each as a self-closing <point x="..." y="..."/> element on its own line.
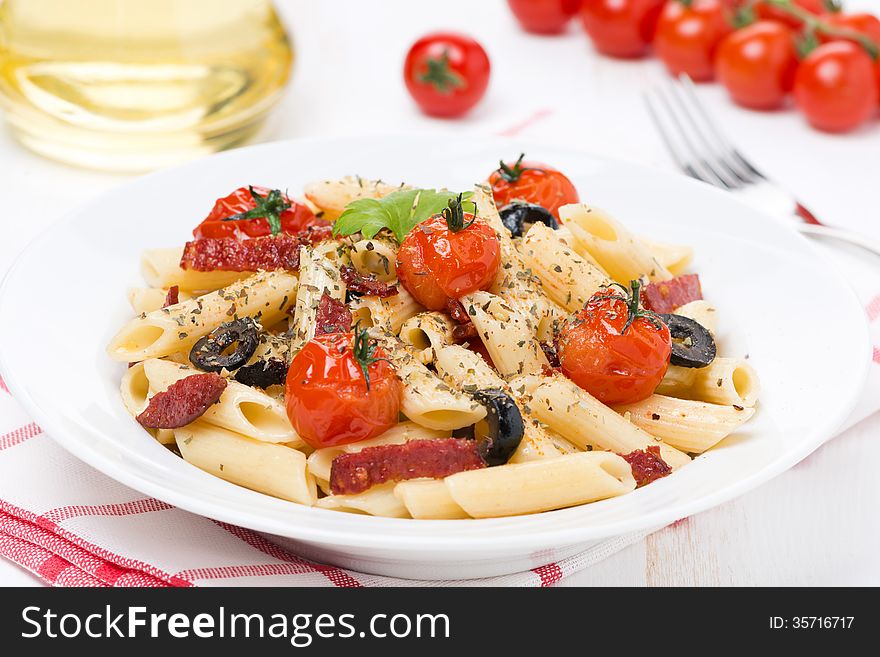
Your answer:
<point x="866" y="24"/>
<point x="621" y="28"/>
<point x="446" y="73"/>
<point x="532" y="182"/>
<point x="614" y="350"/>
<point x="766" y="11"/>
<point x="260" y="207"/>
<point x="757" y="64"/>
<point x="339" y="390"/>
<point x="447" y="256"/>
<point x="688" y="33"/>
<point x="544" y="16"/>
<point x="836" y="87"/>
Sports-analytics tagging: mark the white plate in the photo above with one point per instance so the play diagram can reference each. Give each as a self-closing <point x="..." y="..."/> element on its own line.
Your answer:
<point x="795" y="317"/>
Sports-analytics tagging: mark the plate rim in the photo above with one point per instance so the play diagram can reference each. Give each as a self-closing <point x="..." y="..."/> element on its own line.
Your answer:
<point x="526" y="538"/>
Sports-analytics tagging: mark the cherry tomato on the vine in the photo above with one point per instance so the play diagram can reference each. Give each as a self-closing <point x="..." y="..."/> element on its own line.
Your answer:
<point x="287" y="215"/>
<point x="532" y="182"/>
<point x="766" y="11"/>
<point x="621" y="28"/>
<point x="446" y="73"/>
<point x="757" y="64"/>
<point x="866" y="24"/>
<point x="688" y="33"/>
<point x="448" y="255"/>
<point x="835" y="86"/>
<point x="614" y="350"/>
<point x="544" y="16"/>
<point x="340" y="390"/>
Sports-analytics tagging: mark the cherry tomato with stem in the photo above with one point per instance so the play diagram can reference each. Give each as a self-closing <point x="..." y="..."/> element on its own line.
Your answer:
<point x="448" y="255"/>
<point x="532" y="182"/>
<point x="254" y="212"/>
<point x="766" y="11"/>
<point x="446" y="73"/>
<point x="757" y="64"/>
<point x="621" y="28"/>
<point x="544" y="16"/>
<point x="341" y="389"/>
<point x="688" y="33"/>
<point x="615" y="350"/>
<point x="836" y="87"/>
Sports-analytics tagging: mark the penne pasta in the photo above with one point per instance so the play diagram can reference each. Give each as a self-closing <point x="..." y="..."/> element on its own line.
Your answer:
<point x="586" y="422"/>
<point x="378" y="501"/>
<point x="275" y="470"/>
<point x="425" y="333"/>
<point x="674" y="257"/>
<point x="242" y="409"/>
<point x="388" y="314"/>
<point x="317" y="276"/>
<point x="677" y="381"/>
<point x="265" y="296"/>
<point x="727" y="381"/>
<point x="691" y="426"/>
<point x="331" y="196"/>
<point x="507" y="334"/>
<point x="617" y="251"/>
<point x="566" y="277"/>
<point x="426" y="399"/>
<point x="148" y="299"/>
<point x="376" y="256"/>
<point x="702" y="312"/>
<point x="536" y="486"/>
<point x="428" y="499"/>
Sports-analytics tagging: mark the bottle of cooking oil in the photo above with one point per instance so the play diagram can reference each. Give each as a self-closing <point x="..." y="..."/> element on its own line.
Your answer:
<point x="138" y="84"/>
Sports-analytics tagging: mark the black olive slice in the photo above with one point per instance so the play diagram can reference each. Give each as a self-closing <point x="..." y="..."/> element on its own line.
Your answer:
<point x="517" y="215"/>
<point x="263" y="373"/>
<point x="504" y="426"/>
<point x="207" y="354"/>
<point x="692" y="344"/>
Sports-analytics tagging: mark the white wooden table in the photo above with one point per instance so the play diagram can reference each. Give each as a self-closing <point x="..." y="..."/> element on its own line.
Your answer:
<point x="816" y="524"/>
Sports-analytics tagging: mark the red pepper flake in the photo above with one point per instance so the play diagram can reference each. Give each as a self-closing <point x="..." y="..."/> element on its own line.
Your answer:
<point x="173" y="296"/>
<point x="666" y="296"/>
<point x="333" y="316"/>
<point x="647" y="465"/>
<point x="184" y="401"/>
<point x="368" y="285"/>
<point x="356" y="472"/>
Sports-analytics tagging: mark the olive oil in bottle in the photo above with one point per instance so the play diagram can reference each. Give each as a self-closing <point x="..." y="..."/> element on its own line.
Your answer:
<point x="138" y="84"/>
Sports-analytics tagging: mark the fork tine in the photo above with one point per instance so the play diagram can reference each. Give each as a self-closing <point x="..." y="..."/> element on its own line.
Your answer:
<point x="713" y="176"/>
<point x="746" y="167"/>
<point x="667" y="140"/>
<point x="693" y="111"/>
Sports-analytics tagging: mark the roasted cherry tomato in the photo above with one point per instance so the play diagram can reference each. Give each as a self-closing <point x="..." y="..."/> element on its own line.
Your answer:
<point x="688" y="33"/>
<point x="621" y="28"/>
<point x="544" y="16"/>
<point x="757" y="64"/>
<point x="448" y="255"/>
<point x="613" y="349"/>
<point x="259" y="208"/>
<point x="340" y="390"/>
<point x="835" y="86"/>
<point x="766" y="11"/>
<point x="446" y="73"/>
<point x="532" y="182"/>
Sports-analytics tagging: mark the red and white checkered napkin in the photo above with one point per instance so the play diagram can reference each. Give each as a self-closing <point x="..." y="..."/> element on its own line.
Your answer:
<point x="73" y="526"/>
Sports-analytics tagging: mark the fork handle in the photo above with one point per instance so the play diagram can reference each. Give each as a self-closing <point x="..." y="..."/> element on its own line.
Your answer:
<point x="840" y="234"/>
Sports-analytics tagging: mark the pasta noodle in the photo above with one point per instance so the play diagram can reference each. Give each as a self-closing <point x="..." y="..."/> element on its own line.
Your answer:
<point x="163" y="332"/>
<point x="148" y="299"/>
<point x="161" y="268"/>
<point x="428" y="499"/>
<point x="425" y="333"/>
<point x="536" y="486"/>
<point x="317" y="276"/>
<point x="619" y="253"/>
<point x="376" y="256"/>
<point x="727" y="381"/>
<point x="691" y="426"/>
<point x="264" y="467"/>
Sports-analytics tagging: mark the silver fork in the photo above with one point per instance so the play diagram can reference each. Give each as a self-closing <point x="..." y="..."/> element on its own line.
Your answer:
<point x="702" y="151"/>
